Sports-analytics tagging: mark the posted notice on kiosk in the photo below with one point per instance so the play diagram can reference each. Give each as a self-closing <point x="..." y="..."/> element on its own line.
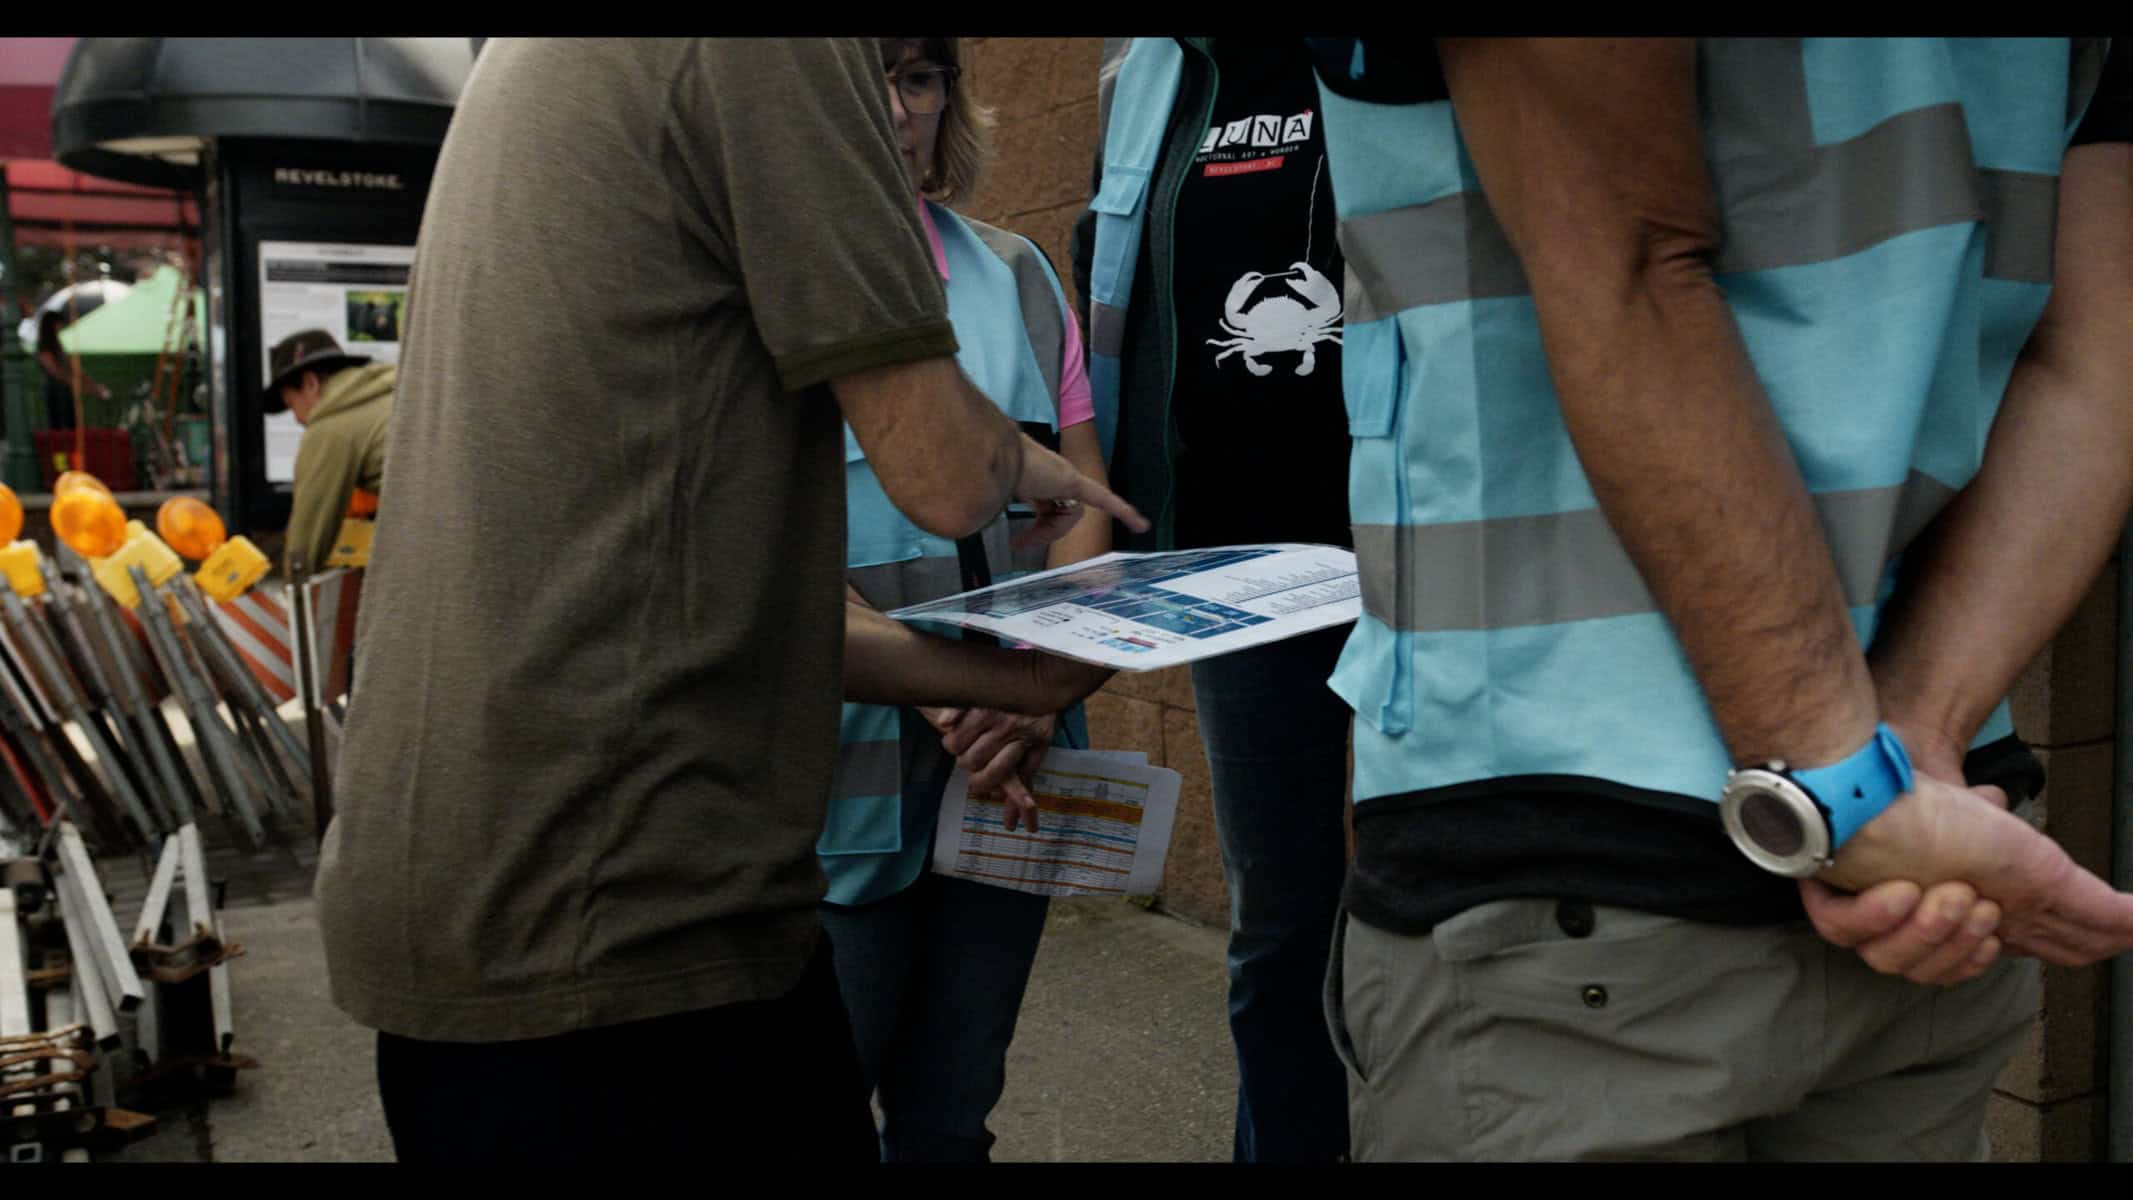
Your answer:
<point x="357" y="293"/>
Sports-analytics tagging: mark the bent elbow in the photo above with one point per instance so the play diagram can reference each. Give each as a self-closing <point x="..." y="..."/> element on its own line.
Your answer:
<point x="1673" y="250"/>
<point x="950" y="515"/>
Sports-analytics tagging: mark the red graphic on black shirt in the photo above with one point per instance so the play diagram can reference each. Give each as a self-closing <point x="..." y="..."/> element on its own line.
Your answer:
<point x="1216" y="169"/>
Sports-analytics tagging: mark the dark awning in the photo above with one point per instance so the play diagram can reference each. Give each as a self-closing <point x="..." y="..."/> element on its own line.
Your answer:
<point x="141" y="109"/>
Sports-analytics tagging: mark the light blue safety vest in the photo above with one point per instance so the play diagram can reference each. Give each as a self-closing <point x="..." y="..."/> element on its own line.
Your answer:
<point x="1887" y="212"/>
<point x="1009" y="316"/>
<point x="1137" y="88"/>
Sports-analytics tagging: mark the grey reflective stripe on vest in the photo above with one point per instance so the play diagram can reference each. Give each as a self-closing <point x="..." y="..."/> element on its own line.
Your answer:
<point x="2021" y="224"/>
<point x="1045" y="322"/>
<point x="1513" y="572"/>
<point x="869" y="769"/>
<point x="1783" y="200"/>
<point x="917" y="580"/>
<point x="1041" y="314"/>
<point x="913" y="581"/>
<point x="1107" y="330"/>
<point x="1911" y="172"/>
<point x="1448" y="249"/>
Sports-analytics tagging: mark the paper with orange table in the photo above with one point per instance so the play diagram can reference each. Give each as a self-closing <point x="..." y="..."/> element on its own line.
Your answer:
<point x="1103" y="828"/>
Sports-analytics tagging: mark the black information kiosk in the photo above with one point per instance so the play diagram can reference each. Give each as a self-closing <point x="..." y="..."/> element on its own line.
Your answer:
<point x="312" y="158"/>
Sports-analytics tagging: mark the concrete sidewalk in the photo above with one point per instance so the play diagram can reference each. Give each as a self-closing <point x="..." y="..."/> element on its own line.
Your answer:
<point x="1122" y="1053"/>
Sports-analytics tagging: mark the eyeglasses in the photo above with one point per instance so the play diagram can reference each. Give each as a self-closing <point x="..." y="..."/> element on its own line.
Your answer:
<point x="924" y="90"/>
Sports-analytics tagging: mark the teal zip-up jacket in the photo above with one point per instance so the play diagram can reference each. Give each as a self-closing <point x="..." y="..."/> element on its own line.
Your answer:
<point x="1153" y="102"/>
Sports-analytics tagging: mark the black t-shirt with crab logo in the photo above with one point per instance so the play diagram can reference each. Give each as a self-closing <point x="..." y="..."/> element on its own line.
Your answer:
<point x="1262" y="435"/>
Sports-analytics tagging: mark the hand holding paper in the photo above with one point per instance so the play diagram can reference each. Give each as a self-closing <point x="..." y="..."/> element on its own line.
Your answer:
<point x="999" y="751"/>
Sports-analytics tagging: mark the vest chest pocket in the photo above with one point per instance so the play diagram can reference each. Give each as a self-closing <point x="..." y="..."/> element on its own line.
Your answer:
<point x="1123" y="186"/>
<point x="1117" y="206"/>
<point x="1374" y="674"/>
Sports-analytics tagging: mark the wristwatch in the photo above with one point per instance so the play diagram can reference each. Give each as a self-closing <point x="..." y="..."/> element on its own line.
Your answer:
<point x="1793" y="822"/>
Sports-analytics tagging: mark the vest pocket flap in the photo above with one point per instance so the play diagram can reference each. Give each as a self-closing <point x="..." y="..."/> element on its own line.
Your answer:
<point x="862" y="825"/>
<point x="1372" y="366"/>
<point x="1373" y="676"/>
<point x="1121" y="191"/>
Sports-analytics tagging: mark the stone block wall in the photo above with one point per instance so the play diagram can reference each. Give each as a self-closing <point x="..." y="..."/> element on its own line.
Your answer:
<point x="1043" y="95"/>
<point x="2049" y="1104"/>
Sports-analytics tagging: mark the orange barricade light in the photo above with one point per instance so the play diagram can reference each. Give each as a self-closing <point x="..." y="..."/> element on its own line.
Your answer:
<point x="10" y="514"/>
<point x="193" y="529"/>
<point x="89" y="520"/>
<point x="70" y="480"/>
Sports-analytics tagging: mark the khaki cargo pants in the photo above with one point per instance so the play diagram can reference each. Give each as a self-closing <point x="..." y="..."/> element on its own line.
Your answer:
<point x="1537" y="1029"/>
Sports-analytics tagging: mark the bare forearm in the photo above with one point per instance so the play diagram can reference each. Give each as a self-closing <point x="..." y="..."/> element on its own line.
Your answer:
<point x="944" y="453"/>
<point x="888" y="662"/>
<point x="1696" y="479"/>
<point x="2010" y="558"/>
<point x="1657" y="392"/>
<point x="2005" y="565"/>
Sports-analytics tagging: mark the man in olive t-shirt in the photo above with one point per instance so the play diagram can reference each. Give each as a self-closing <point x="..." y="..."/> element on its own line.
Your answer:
<point x="572" y="879"/>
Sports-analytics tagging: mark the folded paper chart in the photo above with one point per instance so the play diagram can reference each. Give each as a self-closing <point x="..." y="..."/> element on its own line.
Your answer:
<point x="1103" y="828"/>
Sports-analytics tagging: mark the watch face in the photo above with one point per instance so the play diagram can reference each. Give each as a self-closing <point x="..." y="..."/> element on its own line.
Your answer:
<point x="1772" y="824"/>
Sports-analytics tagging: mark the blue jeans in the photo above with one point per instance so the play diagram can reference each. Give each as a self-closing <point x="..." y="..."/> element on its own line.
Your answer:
<point x="1276" y="739"/>
<point x="933" y="979"/>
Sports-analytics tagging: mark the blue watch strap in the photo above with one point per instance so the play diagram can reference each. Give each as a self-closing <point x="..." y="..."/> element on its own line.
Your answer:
<point x="1854" y="790"/>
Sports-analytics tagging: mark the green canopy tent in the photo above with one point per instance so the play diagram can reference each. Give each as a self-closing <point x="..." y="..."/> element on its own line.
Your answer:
<point x="120" y="345"/>
<point x="139" y="322"/>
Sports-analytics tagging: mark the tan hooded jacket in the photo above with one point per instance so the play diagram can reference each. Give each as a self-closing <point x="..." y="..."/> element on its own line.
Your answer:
<point x="343" y="449"/>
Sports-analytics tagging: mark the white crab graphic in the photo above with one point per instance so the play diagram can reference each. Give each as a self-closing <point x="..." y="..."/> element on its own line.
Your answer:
<point x="1278" y="322"/>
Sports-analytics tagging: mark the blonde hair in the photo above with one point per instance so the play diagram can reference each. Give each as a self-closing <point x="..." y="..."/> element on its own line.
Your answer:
<point x="965" y="139"/>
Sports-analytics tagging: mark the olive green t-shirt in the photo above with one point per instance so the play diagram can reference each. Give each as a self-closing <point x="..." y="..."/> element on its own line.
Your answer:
<point x="600" y="653"/>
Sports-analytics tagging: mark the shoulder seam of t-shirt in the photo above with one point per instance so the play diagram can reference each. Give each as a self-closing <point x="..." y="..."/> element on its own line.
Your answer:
<point x="926" y="338"/>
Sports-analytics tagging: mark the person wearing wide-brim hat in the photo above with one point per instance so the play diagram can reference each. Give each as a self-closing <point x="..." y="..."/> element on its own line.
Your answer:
<point x="345" y="403"/>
